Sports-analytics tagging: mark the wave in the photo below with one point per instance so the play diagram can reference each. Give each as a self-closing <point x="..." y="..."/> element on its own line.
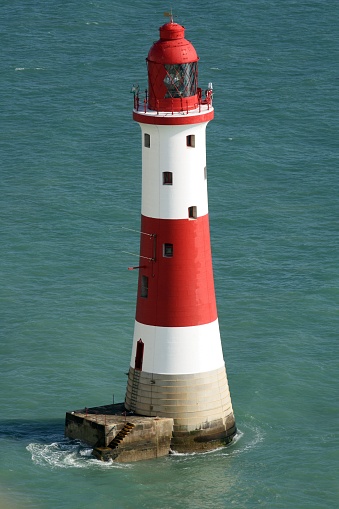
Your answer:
<point x="250" y="436"/>
<point x="248" y="439"/>
<point x="221" y="449"/>
<point x="66" y="453"/>
<point x="29" y="68"/>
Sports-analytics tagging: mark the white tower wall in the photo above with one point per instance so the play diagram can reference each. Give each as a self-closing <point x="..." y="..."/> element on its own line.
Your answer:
<point x="168" y="152"/>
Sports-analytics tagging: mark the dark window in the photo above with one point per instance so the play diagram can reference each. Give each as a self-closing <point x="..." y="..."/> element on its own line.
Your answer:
<point x="168" y="250"/>
<point x="167" y="178"/>
<point x="144" y="286"/>
<point x="147" y="140"/>
<point x="190" y="140"/>
<point x="192" y="212"/>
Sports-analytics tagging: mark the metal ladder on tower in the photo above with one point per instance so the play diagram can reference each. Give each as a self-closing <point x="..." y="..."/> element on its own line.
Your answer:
<point x="135" y="388"/>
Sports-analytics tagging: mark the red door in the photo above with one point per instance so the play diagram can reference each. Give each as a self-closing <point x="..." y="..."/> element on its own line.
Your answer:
<point x="139" y="355"/>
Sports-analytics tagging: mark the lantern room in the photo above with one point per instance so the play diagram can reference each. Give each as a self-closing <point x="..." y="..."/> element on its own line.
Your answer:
<point x="172" y="71"/>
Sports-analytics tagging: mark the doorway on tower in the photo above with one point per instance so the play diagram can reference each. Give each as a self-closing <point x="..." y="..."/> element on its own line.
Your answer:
<point x="139" y="355"/>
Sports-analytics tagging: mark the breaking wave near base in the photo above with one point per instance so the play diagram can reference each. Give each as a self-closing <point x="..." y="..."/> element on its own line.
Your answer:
<point x="66" y="453"/>
<point x="244" y="441"/>
<point x="63" y="452"/>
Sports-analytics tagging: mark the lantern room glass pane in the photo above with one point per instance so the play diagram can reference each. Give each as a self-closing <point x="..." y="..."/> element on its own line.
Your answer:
<point x="181" y="80"/>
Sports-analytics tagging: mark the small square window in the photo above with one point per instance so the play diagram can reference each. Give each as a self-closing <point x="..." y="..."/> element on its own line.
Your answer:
<point x="144" y="286"/>
<point x="192" y="212"/>
<point x="147" y="140"/>
<point x="167" y="178"/>
<point x="190" y="140"/>
<point x="168" y="250"/>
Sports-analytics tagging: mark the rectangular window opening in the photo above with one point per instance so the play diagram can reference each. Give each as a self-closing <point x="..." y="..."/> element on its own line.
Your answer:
<point x="144" y="286"/>
<point x="190" y="140"/>
<point x="167" y="178"/>
<point x="168" y="250"/>
<point x="192" y="212"/>
<point x="205" y="172"/>
<point x="147" y="140"/>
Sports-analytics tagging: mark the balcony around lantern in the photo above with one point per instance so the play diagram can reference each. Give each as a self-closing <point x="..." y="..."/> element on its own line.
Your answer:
<point x="201" y="108"/>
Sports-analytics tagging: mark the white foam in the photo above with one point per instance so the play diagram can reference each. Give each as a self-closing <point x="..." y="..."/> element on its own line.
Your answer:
<point x="212" y="451"/>
<point x="67" y="453"/>
<point x="197" y="453"/>
<point x="29" y="68"/>
<point x="257" y="436"/>
<point x="230" y="449"/>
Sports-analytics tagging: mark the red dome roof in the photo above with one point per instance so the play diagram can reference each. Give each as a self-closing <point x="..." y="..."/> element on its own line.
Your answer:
<point x="172" y="47"/>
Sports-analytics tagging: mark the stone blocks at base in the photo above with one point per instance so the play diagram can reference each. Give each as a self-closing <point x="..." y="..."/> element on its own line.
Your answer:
<point x="116" y="435"/>
<point x="213" y="435"/>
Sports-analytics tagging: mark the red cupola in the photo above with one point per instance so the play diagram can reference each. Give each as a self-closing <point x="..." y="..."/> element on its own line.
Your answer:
<point x="172" y="71"/>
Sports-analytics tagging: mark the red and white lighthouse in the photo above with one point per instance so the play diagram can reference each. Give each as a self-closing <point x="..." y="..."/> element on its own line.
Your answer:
<point x="177" y="366"/>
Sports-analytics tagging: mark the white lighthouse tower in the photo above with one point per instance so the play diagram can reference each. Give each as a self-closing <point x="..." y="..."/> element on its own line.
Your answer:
<point x="177" y="366"/>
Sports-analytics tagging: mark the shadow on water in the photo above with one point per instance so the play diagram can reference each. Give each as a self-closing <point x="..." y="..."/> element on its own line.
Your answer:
<point x="27" y="430"/>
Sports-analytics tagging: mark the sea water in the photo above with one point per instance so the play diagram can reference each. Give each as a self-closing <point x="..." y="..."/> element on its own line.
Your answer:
<point x="69" y="216"/>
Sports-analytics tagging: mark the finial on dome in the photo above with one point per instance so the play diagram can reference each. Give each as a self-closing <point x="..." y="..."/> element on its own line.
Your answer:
<point x="169" y="14"/>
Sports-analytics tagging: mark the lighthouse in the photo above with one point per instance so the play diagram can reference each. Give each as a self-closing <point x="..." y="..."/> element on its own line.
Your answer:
<point x="177" y="367"/>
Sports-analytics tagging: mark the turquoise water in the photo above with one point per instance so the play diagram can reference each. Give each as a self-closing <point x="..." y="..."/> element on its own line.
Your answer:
<point x="70" y="196"/>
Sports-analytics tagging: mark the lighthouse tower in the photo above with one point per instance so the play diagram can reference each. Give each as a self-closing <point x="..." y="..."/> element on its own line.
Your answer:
<point x="177" y="367"/>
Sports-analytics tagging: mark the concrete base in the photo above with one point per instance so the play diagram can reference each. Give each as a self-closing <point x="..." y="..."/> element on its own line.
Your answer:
<point x="199" y="403"/>
<point x="117" y="435"/>
<point x="209" y="436"/>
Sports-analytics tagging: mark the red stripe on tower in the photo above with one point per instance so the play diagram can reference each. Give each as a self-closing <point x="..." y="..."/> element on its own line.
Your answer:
<point x="179" y="280"/>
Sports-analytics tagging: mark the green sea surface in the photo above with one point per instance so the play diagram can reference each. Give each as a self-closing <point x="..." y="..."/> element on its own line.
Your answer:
<point x="70" y="184"/>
